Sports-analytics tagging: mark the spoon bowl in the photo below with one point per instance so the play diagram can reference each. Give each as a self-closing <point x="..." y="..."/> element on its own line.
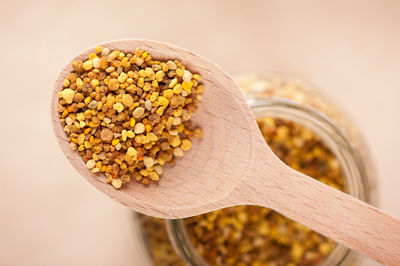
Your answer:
<point x="193" y="184"/>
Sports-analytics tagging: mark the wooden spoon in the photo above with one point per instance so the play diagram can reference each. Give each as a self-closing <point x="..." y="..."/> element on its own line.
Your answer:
<point x="233" y="165"/>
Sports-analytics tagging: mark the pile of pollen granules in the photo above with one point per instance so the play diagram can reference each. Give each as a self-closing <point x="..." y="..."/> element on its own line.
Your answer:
<point x="128" y="114"/>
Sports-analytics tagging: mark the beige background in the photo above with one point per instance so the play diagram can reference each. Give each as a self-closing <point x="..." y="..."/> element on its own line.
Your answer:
<point x="51" y="216"/>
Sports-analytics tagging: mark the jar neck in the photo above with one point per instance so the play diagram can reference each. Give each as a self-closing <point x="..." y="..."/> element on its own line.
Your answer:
<point x="352" y="167"/>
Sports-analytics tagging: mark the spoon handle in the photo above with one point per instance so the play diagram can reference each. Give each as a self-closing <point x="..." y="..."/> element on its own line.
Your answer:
<point x="326" y="210"/>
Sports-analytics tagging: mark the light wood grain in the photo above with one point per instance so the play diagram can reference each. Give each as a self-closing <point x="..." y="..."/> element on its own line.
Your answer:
<point x="233" y="165"/>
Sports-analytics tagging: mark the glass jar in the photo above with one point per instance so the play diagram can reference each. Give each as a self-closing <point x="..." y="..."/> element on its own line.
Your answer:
<point x="300" y="107"/>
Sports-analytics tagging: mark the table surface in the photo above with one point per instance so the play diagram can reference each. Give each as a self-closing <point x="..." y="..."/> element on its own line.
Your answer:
<point x="52" y="216"/>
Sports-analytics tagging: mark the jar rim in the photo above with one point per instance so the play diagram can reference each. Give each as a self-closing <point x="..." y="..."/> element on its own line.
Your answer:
<point x="353" y="167"/>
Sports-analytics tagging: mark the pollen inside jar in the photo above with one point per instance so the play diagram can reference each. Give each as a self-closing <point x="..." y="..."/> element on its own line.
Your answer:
<point x="251" y="235"/>
<point x="127" y="114"/>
